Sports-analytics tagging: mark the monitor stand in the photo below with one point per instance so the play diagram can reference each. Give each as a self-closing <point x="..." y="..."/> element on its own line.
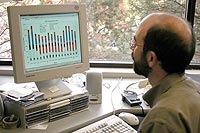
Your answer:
<point x="53" y="88"/>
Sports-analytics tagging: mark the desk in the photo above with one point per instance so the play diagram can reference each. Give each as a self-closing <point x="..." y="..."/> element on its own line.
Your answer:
<point x="94" y="113"/>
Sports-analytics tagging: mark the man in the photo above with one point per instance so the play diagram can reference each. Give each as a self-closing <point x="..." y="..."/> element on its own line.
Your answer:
<point x="163" y="47"/>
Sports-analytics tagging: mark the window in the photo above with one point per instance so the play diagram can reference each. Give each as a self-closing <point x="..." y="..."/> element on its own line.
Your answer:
<point x="196" y="26"/>
<point x="111" y="24"/>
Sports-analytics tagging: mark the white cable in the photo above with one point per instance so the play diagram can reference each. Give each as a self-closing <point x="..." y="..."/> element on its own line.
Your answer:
<point x="119" y="81"/>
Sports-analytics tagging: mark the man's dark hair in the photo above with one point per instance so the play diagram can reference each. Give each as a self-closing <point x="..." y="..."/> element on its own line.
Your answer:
<point x="173" y="51"/>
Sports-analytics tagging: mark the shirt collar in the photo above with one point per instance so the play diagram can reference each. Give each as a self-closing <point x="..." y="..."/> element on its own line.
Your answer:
<point x="152" y="96"/>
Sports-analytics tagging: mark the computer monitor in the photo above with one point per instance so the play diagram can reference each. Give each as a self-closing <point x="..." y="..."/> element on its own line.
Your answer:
<point x="48" y="42"/>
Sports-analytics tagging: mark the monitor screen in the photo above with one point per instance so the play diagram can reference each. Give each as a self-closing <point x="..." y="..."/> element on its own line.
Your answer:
<point x="48" y="42"/>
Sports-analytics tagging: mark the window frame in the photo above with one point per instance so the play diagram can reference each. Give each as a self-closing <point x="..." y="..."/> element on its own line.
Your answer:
<point x="5" y="62"/>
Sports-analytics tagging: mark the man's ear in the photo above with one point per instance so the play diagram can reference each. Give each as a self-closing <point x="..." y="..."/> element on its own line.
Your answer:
<point x="151" y="58"/>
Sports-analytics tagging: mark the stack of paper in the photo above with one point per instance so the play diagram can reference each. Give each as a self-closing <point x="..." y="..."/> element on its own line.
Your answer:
<point x="25" y="93"/>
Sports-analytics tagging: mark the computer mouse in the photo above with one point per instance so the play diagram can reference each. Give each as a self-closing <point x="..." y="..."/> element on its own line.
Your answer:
<point x="129" y="118"/>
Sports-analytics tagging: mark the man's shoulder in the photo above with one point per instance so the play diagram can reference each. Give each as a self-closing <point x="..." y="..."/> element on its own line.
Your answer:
<point x="162" y="118"/>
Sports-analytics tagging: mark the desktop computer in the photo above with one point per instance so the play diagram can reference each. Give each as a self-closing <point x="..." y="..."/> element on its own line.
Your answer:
<point x="48" y="42"/>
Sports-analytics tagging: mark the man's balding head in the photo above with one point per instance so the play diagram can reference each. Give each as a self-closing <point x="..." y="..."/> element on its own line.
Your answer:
<point x="167" y="21"/>
<point x="171" y="39"/>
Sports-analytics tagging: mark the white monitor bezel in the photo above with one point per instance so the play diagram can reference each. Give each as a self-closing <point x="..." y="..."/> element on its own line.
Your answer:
<point x="20" y="75"/>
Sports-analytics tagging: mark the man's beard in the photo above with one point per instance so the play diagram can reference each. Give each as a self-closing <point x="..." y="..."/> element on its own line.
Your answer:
<point x="141" y="67"/>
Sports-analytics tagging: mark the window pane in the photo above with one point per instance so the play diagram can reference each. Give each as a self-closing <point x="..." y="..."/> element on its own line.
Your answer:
<point x="5" y="51"/>
<point x="111" y="24"/>
<point x="4" y="33"/>
<point x="196" y="58"/>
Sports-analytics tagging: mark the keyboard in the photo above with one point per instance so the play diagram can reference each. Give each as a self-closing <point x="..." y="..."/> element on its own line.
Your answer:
<point x="111" y="124"/>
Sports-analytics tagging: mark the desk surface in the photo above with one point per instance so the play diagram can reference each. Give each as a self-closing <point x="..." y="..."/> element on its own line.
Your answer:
<point x="94" y="113"/>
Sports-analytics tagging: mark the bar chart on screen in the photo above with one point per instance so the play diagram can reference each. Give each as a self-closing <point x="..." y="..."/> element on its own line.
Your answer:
<point x="53" y="43"/>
